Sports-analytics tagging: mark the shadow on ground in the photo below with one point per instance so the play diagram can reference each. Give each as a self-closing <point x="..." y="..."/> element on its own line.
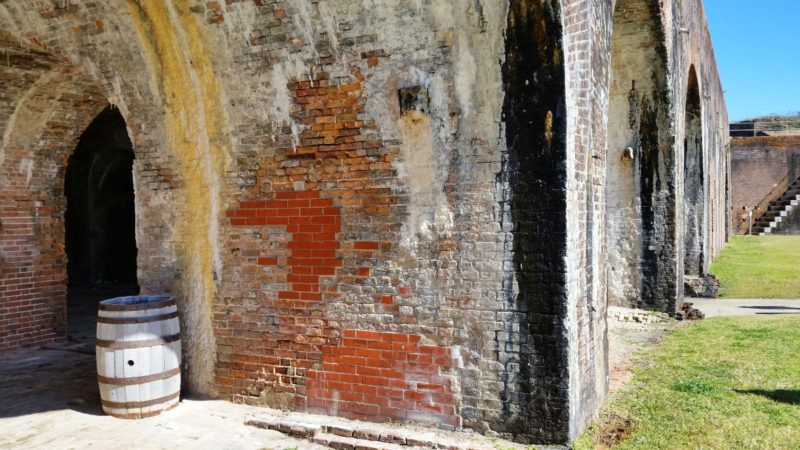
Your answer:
<point x="62" y="375"/>
<point x="791" y="397"/>
<point x="51" y="379"/>
<point x="774" y="308"/>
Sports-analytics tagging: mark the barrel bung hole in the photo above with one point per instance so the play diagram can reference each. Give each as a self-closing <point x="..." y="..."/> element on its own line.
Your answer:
<point x="130" y="362"/>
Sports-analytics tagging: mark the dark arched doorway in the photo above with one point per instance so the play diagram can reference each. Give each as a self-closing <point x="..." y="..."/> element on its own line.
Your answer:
<point x="100" y="220"/>
<point x="693" y="188"/>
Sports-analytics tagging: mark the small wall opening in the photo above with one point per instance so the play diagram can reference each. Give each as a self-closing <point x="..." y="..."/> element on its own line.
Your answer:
<point x="100" y="221"/>
<point x="693" y="189"/>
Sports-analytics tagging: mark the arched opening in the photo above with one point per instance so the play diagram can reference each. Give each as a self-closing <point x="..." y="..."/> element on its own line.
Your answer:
<point x="693" y="189"/>
<point x="100" y="229"/>
<point x="640" y="184"/>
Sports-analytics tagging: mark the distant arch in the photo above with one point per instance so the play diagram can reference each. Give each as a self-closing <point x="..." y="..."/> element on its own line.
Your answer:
<point x="693" y="185"/>
<point x="639" y="179"/>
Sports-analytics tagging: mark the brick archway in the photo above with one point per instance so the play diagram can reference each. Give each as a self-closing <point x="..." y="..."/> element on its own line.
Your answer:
<point x="694" y="182"/>
<point x="46" y="106"/>
<point x="640" y="183"/>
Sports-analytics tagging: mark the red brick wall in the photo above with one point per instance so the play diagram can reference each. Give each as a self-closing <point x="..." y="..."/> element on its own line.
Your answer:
<point x="758" y="164"/>
<point x="372" y="375"/>
<point x="312" y="228"/>
<point x="32" y="255"/>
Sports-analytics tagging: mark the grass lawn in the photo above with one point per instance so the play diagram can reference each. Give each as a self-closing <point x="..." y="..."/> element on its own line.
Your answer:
<point x="759" y="267"/>
<point x="731" y="383"/>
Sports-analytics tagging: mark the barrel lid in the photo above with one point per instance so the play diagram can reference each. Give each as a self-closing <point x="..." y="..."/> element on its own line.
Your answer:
<point x="136" y="302"/>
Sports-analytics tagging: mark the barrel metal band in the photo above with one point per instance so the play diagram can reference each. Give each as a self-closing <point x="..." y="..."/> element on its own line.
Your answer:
<point x="142" y="415"/>
<point x="119" y="345"/>
<point x="138" y="306"/>
<point x="143" y="404"/>
<point x="139" y="380"/>
<point x="134" y="320"/>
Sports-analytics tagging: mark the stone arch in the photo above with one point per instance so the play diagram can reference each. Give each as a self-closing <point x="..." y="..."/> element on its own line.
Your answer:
<point x="640" y="183"/>
<point x="694" y="201"/>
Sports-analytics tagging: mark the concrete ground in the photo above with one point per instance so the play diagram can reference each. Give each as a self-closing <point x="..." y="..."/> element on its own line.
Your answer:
<point x="49" y="400"/>
<point x="745" y="307"/>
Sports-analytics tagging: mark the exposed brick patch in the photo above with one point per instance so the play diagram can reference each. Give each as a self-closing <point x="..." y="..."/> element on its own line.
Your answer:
<point x="299" y="252"/>
<point x="313" y="224"/>
<point x="383" y="376"/>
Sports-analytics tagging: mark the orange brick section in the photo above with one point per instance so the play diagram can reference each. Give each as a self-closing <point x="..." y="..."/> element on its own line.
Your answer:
<point x="309" y="240"/>
<point x="313" y="223"/>
<point x="379" y="376"/>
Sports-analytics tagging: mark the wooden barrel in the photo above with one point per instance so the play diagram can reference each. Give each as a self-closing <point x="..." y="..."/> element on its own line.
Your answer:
<point x="138" y="355"/>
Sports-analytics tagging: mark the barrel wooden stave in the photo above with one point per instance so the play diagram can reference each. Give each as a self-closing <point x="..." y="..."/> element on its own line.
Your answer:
<point x="150" y="338"/>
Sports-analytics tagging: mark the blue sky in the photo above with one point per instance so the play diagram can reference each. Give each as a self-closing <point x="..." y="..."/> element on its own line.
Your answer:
<point x="757" y="43"/>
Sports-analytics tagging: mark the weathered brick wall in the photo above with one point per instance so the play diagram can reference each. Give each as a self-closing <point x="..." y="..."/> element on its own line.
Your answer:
<point x="689" y="46"/>
<point x="40" y="113"/>
<point x="758" y="165"/>
<point x="648" y="230"/>
<point x="587" y="28"/>
<point x="332" y="252"/>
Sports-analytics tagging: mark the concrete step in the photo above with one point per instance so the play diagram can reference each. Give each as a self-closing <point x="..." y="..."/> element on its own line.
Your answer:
<point x="792" y="192"/>
<point x="776" y="213"/>
<point x="786" y="202"/>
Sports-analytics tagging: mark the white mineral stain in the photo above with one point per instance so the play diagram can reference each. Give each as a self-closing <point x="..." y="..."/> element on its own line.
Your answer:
<point x="466" y="75"/>
<point x="26" y="166"/>
<point x="31" y="114"/>
<point x="306" y="24"/>
<point x="328" y="17"/>
<point x="428" y="211"/>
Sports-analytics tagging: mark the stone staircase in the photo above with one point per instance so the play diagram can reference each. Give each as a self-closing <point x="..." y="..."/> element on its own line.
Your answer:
<point x="777" y="210"/>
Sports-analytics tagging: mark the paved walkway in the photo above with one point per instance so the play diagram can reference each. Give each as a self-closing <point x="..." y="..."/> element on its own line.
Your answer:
<point x="745" y="307"/>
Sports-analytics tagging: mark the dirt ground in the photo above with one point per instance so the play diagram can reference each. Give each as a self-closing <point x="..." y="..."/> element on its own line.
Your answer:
<point x="626" y="340"/>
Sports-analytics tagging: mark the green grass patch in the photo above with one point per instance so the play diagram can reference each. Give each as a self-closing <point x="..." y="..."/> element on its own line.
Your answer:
<point x="759" y="267"/>
<point x="731" y="383"/>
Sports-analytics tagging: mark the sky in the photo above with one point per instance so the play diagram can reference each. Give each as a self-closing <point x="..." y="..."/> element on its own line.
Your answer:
<point x="757" y="43"/>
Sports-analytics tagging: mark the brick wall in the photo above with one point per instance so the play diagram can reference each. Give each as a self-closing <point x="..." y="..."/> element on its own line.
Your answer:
<point x="306" y="222"/>
<point x="56" y="107"/>
<point x="758" y="164"/>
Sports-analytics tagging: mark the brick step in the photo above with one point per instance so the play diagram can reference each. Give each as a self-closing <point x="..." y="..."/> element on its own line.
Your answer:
<point x="349" y="443"/>
<point x="357" y="436"/>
